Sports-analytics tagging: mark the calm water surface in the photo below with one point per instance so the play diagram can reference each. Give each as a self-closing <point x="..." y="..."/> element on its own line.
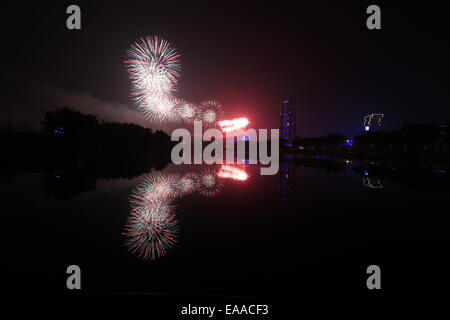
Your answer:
<point x="309" y="231"/>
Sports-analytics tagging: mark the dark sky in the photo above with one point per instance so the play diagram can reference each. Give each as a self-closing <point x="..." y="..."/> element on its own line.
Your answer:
<point x="246" y="56"/>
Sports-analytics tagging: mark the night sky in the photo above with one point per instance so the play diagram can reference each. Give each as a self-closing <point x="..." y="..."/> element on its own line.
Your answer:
<point x="248" y="57"/>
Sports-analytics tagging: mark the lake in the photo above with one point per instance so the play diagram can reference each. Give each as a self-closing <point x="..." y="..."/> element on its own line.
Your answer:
<point x="310" y="231"/>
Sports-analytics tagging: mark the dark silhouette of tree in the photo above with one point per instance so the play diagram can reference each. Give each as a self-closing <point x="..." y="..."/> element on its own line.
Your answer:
<point x="331" y="140"/>
<point x="87" y="130"/>
<point x="70" y="122"/>
<point x="410" y="138"/>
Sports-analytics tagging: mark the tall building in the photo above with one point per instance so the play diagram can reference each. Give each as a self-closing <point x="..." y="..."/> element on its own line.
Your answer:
<point x="287" y="122"/>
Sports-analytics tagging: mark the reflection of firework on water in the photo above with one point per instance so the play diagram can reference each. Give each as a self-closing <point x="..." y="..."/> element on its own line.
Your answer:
<point x="158" y="186"/>
<point x="150" y="236"/>
<point x="211" y="112"/>
<point x="209" y="183"/>
<point x="150" y="209"/>
<point x="187" y="183"/>
<point x="152" y="228"/>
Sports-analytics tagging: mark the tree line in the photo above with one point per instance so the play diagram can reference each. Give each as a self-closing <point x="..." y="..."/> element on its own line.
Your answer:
<point x="428" y="138"/>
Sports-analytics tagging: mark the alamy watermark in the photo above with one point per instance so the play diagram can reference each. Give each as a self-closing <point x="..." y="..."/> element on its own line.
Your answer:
<point x="74" y="279"/>
<point x="374" y="280"/>
<point x="213" y="153"/>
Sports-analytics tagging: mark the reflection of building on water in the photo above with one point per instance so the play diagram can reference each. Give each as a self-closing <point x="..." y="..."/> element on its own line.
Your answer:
<point x="287" y="178"/>
<point x="372" y="182"/>
<point x="287" y="135"/>
<point x="442" y="141"/>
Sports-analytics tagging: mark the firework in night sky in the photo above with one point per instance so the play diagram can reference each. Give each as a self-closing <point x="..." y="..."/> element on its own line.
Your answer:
<point x="154" y="67"/>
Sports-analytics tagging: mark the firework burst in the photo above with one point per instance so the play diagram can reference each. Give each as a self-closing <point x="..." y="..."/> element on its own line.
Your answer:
<point x="211" y="112"/>
<point x="187" y="111"/>
<point x="154" y="67"/>
<point x="159" y="108"/>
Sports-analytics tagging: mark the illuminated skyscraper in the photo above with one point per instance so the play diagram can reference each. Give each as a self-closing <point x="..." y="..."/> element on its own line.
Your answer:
<point x="287" y="122"/>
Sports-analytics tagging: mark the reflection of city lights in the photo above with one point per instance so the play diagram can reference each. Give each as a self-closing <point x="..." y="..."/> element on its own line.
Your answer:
<point x="230" y="172"/>
<point x="373" y="183"/>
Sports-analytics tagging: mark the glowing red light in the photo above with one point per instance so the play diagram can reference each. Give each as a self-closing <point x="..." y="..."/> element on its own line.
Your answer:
<point x="232" y="125"/>
<point x="230" y="172"/>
